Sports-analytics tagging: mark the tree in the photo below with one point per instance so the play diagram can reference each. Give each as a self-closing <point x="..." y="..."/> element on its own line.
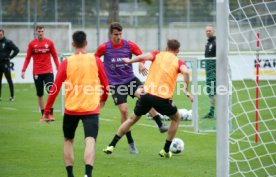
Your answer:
<point x="113" y="11"/>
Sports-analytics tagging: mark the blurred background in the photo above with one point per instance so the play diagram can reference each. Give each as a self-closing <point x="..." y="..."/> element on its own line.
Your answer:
<point x="149" y="23"/>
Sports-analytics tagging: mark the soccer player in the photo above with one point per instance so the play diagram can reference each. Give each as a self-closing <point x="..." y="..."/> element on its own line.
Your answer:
<point x="6" y="47"/>
<point x="120" y="75"/>
<point x="41" y="50"/>
<point x="84" y="79"/>
<point x="158" y="92"/>
<point x="210" y="69"/>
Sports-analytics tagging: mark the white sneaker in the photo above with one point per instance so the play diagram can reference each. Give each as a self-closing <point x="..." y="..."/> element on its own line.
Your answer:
<point x="85" y="175"/>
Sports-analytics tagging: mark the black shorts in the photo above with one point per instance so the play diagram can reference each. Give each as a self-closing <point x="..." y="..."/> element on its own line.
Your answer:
<point x="120" y="92"/>
<point x="90" y="125"/>
<point x="40" y="80"/>
<point x="161" y="105"/>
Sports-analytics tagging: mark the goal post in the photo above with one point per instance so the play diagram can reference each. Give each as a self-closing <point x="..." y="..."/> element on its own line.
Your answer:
<point x="222" y="146"/>
<point x="192" y="63"/>
<point x="247" y="29"/>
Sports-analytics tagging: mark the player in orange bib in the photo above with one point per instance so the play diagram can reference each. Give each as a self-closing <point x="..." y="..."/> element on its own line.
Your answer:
<point x="158" y="92"/>
<point x="84" y="79"/>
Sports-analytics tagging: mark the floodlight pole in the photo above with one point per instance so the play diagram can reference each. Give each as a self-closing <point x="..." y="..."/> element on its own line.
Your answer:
<point x="222" y="147"/>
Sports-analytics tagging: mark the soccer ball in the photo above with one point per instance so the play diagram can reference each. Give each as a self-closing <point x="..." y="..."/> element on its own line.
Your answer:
<point x="149" y="117"/>
<point x="185" y="114"/>
<point x="177" y="146"/>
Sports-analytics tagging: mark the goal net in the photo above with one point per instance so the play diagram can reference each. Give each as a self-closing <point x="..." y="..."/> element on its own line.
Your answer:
<point x="252" y="136"/>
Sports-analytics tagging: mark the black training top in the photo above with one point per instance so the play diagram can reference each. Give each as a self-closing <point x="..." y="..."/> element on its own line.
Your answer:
<point x="210" y="49"/>
<point x="6" y="47"/>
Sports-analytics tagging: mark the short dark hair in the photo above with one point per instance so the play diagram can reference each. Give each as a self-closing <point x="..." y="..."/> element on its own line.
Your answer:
<point x="79" y="38"/>
<point x="173" y="44"/>
<point x="39" y="27"/>
<point x="1" y="30"/>
<point x="115" y="26"/>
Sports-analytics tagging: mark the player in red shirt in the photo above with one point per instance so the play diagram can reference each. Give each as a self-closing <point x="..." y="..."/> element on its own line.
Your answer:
<point x="41" y="50"/>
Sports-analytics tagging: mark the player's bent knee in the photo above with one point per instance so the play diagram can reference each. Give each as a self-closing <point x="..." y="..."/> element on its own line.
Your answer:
<point x="175" y="117"/>
<point x="133" y="119"/>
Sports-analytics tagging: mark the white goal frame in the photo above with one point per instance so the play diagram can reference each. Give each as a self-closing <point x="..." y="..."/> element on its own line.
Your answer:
<point x="222" y="125"/>
<point x="250" y="40"/>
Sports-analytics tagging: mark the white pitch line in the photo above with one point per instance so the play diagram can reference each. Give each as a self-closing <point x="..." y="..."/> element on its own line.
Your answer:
<point x="192" y="132"/>
<point x="9" y="108"/>
<point x="147" y="125"/>
<point x="56" y="110"/>
<point x="153" y="126"/>
<point x="107" y="120"/>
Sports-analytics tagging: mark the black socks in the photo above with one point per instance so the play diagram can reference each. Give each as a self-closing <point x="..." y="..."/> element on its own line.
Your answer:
<point x="51" y="111"/>
<point x="129" y="137"/>
<point x="42" y="111"/>
<point x="115" y="140"/>
<point x="167" y="146"/>
<point x="158" y="121"/>
<point x="69" y="170"/>
<point x="88" y="170"/>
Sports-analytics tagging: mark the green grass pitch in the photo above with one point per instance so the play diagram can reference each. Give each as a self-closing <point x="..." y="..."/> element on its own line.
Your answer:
<point x="31" y="149"/>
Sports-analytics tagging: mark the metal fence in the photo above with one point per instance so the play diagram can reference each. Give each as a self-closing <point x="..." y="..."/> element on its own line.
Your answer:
<point x="83" y="13"/>
<point x="148" y="24"/>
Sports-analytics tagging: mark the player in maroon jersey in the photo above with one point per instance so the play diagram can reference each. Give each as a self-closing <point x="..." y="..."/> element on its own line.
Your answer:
<point x="41" y="50"/>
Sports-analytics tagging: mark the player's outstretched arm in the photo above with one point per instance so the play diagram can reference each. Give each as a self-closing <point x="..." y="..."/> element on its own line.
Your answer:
<point x="139" y="58"/>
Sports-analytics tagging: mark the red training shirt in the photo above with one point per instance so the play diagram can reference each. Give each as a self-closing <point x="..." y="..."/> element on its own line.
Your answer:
<point x="41" y="52"/>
